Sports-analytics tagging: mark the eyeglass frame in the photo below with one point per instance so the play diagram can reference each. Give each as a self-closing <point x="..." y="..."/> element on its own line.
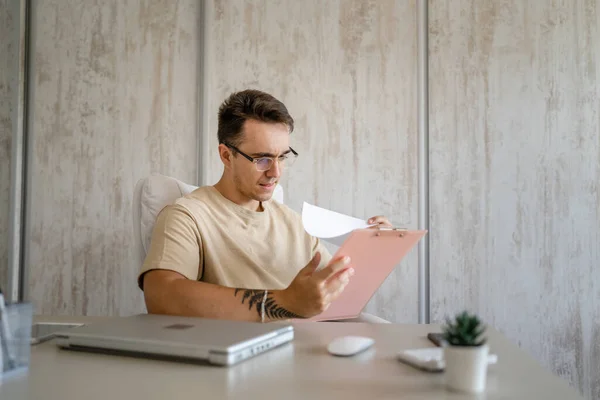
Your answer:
<point x="254" y="160"/>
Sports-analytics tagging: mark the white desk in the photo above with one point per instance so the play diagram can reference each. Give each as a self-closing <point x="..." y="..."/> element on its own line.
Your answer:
<point x="300" y="370"/>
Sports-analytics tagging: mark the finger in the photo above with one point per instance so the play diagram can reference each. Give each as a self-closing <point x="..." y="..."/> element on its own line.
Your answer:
<point x="334" y="267"/>
<point x="343" y="274"/>
<point x="339" y="280"/>
<point x="380" y="220"/>
<point x="336" y="289"/>
<point x="312" y="265"/>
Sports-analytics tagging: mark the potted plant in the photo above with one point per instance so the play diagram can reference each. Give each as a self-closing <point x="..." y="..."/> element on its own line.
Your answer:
<point x="465" y="353"/>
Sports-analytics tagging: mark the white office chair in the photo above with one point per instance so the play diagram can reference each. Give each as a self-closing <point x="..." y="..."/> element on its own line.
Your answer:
<point x="153" y="193"/>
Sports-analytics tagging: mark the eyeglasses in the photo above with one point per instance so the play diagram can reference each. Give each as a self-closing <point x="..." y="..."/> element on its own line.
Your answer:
<point x="266" y="163"/>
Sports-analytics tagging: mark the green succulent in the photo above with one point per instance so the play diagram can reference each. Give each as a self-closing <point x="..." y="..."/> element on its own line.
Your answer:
<point x="465" y="330"/>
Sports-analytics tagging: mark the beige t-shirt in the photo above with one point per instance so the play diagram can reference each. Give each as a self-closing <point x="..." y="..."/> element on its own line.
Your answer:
<point x="206" y="237"/>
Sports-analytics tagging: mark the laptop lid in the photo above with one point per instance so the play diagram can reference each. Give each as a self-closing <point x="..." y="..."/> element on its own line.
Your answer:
<point x="222" y="342"/>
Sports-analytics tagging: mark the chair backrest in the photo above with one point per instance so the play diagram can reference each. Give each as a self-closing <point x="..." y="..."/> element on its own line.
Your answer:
<point x="150" y="196"/>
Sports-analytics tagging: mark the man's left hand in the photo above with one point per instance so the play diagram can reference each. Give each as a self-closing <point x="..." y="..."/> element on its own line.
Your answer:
<point x="380" y="221"/>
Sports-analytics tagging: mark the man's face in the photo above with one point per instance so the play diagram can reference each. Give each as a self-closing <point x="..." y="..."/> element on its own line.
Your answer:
<point x="259" y="139"/>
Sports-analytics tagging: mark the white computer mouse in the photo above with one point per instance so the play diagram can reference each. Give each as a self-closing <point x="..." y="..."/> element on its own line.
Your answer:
<point x="349" y="345"/>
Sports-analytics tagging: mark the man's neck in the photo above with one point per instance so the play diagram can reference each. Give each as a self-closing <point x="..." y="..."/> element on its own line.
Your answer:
<point x="228" y="190"/>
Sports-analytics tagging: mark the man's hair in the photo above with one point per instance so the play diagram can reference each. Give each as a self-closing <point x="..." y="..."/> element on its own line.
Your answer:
<point x="249" y="104"/>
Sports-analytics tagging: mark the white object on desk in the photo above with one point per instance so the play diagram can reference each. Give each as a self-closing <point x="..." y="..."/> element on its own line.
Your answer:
<point x="466" y="367"/>
<point x="349" y="345"/>
<point x="431" y="358"/>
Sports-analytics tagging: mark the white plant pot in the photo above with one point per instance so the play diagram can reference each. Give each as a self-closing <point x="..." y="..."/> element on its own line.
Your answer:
<point x="466" y="367"/>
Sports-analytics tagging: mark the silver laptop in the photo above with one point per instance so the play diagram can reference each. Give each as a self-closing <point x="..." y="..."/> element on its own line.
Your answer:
<point x="220" y="342"/>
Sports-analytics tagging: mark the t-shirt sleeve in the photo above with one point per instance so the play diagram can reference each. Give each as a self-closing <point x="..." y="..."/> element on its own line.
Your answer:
<point x="175" y="245"/>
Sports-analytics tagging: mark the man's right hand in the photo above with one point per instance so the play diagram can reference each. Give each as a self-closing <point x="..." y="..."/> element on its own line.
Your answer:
<point x="311" y="292"/>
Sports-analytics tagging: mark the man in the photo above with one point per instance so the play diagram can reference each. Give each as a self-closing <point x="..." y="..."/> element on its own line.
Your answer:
<point x="228" y="251"/>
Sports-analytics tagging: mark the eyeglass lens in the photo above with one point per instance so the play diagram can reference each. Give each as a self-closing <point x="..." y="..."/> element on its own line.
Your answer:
<point x="264" y="164"/>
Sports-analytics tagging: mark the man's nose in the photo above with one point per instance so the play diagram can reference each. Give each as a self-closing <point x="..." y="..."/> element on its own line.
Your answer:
<point x="275" y="170"/>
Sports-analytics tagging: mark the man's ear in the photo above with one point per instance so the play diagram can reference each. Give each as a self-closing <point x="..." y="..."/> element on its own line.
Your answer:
<point x="225" y="154"/>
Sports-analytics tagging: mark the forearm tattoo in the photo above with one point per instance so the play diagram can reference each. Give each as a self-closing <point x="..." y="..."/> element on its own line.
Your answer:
<point x="254" y="298"/>
<point x="272" y="309"/>
<point x="275" y="311"/>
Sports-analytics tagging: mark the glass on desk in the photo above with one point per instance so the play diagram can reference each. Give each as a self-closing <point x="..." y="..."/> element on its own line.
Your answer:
<point x="15" y="337"/>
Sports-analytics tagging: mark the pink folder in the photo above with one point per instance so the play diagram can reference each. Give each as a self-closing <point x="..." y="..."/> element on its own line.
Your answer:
<point x="375" y="252"/>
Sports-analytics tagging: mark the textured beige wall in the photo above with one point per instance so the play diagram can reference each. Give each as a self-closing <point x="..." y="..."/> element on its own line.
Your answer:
<point x="515" y="174"/>
<point x="346" y="69"/>
<point x="8" y="50"/>
<point x="114" y="98"/>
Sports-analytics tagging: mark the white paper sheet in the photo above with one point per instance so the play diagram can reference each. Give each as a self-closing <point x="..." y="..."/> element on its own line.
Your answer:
<point x="328" y="225"/>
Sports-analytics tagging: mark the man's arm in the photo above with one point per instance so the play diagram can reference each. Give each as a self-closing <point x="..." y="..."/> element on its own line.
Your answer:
<point x="168" y="292"/>
<point x="309" y="294"/>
